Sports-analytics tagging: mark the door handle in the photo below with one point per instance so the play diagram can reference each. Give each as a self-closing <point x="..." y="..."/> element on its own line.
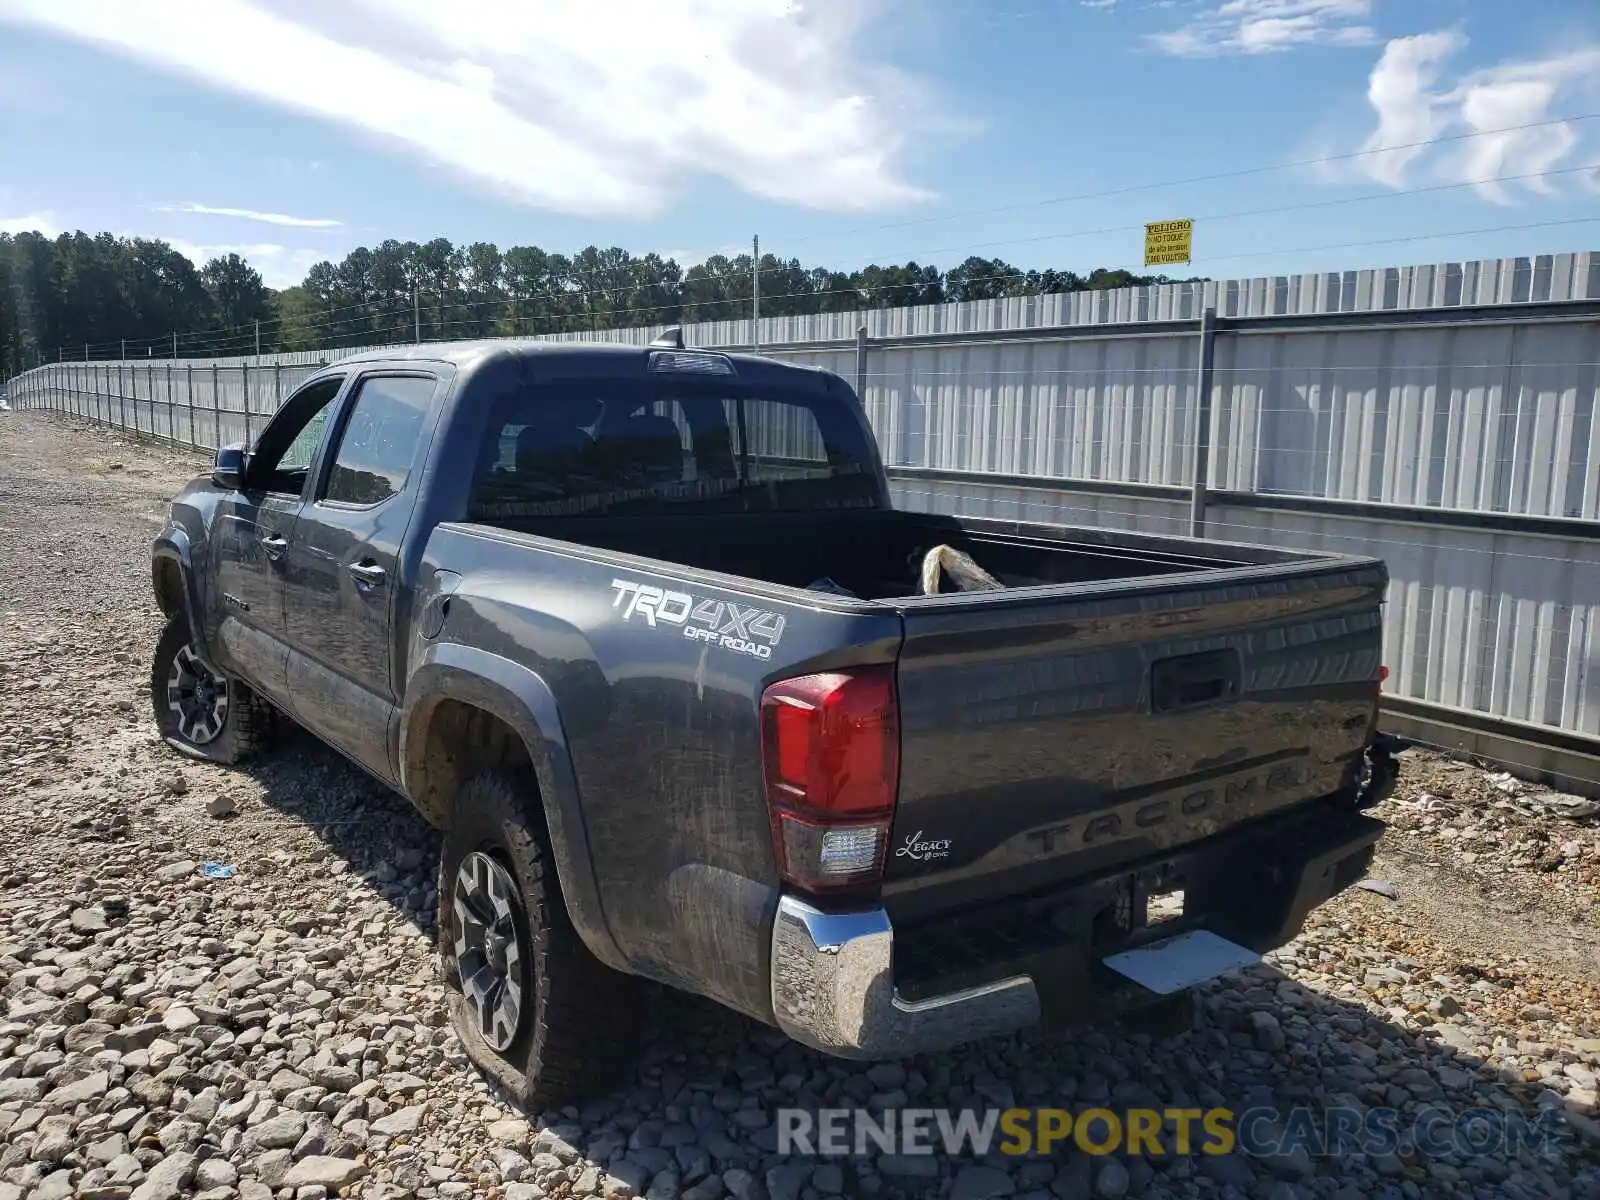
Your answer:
<point x="274" y="546"/>
<point x="367" y="575"/>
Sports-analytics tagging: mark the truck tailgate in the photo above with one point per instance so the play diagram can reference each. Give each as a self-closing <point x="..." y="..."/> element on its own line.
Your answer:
<point x="1051" y="733"/>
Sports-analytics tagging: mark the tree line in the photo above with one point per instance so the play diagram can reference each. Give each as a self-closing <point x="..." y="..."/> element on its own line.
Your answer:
<point x="99" y="296"/>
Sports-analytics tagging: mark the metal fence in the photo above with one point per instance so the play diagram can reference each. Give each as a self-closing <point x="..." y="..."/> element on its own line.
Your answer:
<point x="1442" y="417"/>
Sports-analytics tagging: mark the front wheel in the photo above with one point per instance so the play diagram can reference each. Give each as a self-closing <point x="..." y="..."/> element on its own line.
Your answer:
<point x="535" y="1010"/>
<point x="200" y="710"/>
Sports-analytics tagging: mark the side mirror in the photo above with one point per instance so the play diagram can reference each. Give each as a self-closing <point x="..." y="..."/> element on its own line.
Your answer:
<point x="229" y="469"/>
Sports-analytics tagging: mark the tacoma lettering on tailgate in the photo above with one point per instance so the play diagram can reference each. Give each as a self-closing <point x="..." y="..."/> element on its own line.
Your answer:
<point x="741" y="628"/>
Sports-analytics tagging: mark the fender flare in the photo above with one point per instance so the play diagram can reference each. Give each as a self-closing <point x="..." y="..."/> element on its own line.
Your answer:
<point x="523" y="700"/>
<point x="173" y="546"/>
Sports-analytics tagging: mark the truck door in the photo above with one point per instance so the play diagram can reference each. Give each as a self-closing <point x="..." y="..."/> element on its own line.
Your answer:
<point x="254" y="526"/>
<point x="342" y="597"/>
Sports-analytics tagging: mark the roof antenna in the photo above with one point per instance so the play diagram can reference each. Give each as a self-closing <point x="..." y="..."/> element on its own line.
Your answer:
<point x="669" y="339"/>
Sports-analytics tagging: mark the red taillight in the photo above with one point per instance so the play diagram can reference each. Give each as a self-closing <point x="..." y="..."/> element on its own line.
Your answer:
<point x="1383" y="677"/>
<point x="831" y="745"/>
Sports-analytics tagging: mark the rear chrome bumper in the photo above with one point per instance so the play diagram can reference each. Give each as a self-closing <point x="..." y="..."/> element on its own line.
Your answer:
<point x="833" y="990"/>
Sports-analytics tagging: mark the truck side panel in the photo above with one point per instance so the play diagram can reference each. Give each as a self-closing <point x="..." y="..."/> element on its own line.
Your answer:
<point x="658" y="681"/>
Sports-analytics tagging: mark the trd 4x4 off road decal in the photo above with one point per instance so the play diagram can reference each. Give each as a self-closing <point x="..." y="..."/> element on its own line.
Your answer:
<point x="738" y="627"/>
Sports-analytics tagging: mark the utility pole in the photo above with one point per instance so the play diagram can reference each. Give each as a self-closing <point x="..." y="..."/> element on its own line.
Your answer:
<point x="86" y="352"/>
<point x="416" y="314"/>
<point x="124" y="353"/>
<point x="258" y="339"/>
<point x="174" y="345"/>
<point x="755" y="297"/>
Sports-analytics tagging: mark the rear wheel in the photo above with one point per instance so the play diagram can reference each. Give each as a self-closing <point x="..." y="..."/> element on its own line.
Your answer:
<point x="200" y="710"/>
<point x="536" y="1011"/>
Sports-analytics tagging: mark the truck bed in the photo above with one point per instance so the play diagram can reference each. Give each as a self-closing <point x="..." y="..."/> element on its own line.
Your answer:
<point x="877" y="554"/>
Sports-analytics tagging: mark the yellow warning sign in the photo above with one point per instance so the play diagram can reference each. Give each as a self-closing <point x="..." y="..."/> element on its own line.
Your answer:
<point x="1167" y="242"/>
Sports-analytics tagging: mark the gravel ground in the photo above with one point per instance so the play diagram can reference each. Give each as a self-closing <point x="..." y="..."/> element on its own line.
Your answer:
<point x="281" y="1032"/>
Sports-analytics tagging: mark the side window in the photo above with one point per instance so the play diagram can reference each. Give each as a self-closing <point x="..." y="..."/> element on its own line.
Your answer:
<point x="304" y="447"/>
<point x="283" y="453"/>
<point x="380" y="438"/>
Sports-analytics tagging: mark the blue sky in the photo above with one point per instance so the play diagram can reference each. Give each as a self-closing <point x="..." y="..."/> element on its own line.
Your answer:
<point x="842" y="131"/>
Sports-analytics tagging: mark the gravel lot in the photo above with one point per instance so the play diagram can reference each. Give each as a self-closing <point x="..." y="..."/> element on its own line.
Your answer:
<point x="282" y="1033"/>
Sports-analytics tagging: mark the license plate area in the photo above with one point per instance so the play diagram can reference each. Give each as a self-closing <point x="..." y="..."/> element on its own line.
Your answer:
<point x="1172" y="964"/>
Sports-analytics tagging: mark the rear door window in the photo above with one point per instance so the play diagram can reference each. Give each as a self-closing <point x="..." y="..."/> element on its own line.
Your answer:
<point x="380" y="439"/>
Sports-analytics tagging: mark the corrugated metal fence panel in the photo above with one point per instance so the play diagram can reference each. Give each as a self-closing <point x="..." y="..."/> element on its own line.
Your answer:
<point x="1088" y="408"/>
<point x="1492" y="417"/>
<point x="1054" y="506"/>
<point x="1500" y="623"/>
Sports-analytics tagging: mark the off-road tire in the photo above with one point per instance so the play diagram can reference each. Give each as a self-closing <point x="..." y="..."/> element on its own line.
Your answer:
<point x="247" y="726"/>
<point x="580" y="1021"/>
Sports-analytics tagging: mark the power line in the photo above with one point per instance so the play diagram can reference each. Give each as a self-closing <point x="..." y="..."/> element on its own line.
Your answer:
<point x="1215" y="177"/>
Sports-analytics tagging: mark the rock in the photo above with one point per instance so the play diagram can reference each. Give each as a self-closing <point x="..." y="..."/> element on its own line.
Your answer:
<point x="1268" y="1032"/>
<point x="177" y="871"/>
<point x="741" y="1185"/>
<point x="88" y="921"/>
<point x="523" y="1191"/>
<point x="980" y="1183"/>
<point x="515" y="1133"/>
<point x="179" y="1019"/>
<point x="69" y="1095"/>
<point x="785" y="1182"/>
<point x="1380" y="887"/>
<point x="20" y="1089"/>
<point x="320" y="1169"/>
<point x="828" y="1179"/>
<point x="887" y="1076"/>
<point x="1113" y="1180"/>
<point x="272" y="1167"/>
<point x="215" y="1173"/>
<point x="278" y="1132"/>
<point x="106" y="1149"/>
<point x="405" y="1120"/>
<point x="221" y="805"/>
<point x="167" y="1179"/>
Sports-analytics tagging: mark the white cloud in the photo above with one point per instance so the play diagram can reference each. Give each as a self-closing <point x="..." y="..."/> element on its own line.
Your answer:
<point x="35" y="222"/>
<point x="250" y="214"/>
<point x="1408" y="112"/>
<point x="1415" y="107"/>
<point x="586" y="106"/>
<point x="280" y="266"/>
<point x="1103" y="5"/>
<point x="1269" y="27"/>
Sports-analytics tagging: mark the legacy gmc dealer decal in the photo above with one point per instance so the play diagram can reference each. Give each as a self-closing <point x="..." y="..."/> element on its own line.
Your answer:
<point x="745" y="630"/>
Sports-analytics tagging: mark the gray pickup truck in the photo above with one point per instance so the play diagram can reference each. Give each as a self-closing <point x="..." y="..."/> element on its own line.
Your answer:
<point x="640" y="631"/>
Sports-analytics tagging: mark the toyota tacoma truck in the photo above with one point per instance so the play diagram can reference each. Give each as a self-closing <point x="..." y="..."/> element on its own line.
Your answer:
<point x="640" y="631"/>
